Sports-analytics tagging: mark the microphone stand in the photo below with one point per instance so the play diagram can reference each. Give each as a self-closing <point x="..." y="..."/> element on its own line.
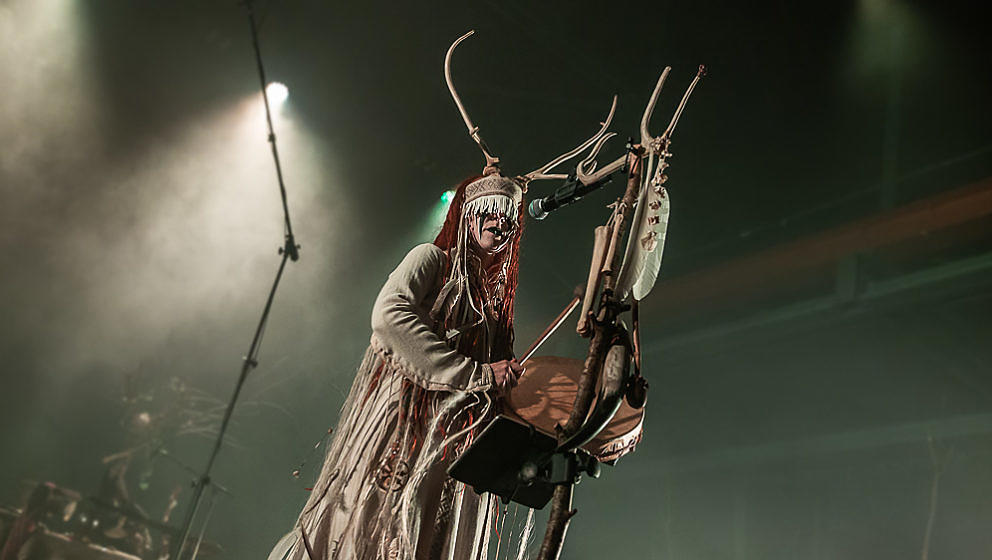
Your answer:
<point x="289" y="250"/>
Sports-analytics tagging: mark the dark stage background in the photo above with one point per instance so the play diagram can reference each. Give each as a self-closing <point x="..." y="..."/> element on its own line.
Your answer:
<point x="789" y="416"/>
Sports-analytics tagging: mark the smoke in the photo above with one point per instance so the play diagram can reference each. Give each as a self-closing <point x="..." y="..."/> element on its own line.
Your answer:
<point x="152" y="262"/>
<point x="49" y="123"/>
<point x="46" y="87"/>
<point x="47" y="115"/>
<point x="169" y="240"/>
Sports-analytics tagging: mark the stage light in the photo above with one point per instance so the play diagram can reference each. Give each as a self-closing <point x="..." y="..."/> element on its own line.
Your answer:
<point x="435" y="219"/>
<point x="277" y="93"/>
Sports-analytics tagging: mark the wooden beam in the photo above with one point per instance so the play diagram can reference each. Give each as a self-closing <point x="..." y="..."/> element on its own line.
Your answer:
<point x="769" y="270"/>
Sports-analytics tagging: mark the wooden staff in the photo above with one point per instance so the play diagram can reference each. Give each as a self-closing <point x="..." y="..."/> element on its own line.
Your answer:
<point x="604" y="327"/>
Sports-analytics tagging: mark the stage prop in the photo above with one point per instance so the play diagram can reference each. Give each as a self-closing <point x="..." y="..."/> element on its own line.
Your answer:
<point x="566" y="417"/>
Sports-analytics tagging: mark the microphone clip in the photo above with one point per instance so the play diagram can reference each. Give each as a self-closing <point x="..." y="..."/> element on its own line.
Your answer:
<point x="571" y="191"/>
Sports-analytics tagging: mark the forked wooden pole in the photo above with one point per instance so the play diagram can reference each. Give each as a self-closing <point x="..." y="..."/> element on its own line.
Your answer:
<point x="603" y="329"/>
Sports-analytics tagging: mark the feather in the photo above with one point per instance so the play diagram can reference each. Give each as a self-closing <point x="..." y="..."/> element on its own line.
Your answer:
<point x="642" y="259"/>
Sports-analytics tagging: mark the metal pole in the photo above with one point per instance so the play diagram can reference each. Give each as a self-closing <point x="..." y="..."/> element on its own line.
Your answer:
<point x="289" y="250"/>
<point x="248" y="364"/>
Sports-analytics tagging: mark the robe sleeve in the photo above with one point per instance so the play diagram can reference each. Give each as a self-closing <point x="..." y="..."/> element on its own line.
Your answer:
<point x="401" y="325"/>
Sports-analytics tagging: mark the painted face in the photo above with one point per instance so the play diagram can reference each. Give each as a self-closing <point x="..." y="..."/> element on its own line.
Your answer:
<point x="491" y="232"/>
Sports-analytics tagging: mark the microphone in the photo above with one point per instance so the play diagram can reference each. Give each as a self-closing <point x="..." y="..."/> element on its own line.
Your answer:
<point x="572" y="190"/>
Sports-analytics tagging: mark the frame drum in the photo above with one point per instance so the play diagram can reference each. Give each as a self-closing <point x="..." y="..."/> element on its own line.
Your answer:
<point x="545" y="394"/>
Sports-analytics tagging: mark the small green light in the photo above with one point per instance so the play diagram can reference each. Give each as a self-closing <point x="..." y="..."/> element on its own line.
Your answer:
<point x="446" y="196"/>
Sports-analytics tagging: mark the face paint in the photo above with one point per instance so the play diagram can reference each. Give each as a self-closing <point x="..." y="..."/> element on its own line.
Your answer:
<point x="491" y="231"/>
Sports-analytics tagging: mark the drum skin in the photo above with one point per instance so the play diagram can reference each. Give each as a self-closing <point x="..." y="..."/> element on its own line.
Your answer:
<point x="544" y="398"/>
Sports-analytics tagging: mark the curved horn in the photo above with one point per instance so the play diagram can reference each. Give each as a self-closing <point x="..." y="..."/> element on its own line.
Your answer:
<point x="542" y="172"/>
<point x="492" y="162"/>
<point x="646" y="138"/>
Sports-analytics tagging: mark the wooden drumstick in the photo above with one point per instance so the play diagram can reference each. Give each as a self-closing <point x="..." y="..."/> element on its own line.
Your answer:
<point x="550" y="330"/>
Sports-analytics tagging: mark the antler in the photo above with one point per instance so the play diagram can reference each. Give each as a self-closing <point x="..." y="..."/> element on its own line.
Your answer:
<point x="587" y="177"/>
<point x="588" y="165"/>
<point x="647" y="140"/>
<point x="678" y="112"/>
<point x="542" y="172"/>
<point x="657" y="145"/>
<point x="492" y="162"/>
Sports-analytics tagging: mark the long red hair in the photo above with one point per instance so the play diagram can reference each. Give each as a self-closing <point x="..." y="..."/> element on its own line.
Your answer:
<point x="447" y="239"/>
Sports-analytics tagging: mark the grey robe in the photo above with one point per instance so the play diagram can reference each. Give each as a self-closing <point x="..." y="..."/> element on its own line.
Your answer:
<point x="414" y="405"/>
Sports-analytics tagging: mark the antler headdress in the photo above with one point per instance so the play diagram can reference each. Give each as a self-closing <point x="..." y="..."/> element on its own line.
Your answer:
<point x="492" y="162"/>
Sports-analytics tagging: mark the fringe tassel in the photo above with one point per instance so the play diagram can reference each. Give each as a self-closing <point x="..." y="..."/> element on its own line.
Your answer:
<point x="492" y="204"/>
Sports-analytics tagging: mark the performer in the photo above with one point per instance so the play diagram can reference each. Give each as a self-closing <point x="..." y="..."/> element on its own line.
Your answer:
<point x="441" y="351"/>
<point x="441" y="354"/>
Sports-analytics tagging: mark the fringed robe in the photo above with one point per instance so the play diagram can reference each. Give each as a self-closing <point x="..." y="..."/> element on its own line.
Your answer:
<point x="414" y="405"/>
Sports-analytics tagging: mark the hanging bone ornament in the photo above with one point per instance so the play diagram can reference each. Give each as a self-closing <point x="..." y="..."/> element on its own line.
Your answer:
<point x="646" y="244"/>
<point x="642" y="260"/>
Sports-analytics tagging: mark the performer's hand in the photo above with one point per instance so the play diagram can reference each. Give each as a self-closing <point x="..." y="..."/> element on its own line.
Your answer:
<point x="506" y="373"/>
